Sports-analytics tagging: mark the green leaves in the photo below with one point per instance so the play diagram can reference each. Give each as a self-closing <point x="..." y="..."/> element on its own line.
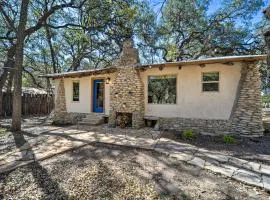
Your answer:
<point x="189" y="30"/>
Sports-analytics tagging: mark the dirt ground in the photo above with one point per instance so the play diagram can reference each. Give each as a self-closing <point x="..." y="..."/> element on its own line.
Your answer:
<point x="246" y="148"/>
<point x="112" y="172"/>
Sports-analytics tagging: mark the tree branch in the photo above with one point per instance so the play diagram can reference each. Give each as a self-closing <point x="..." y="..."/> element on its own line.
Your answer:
<point x="33" y="78"/>
<point x="41" y="22"/>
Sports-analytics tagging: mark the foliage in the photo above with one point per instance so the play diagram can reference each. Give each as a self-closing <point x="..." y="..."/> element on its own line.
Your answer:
<point x="189" y="30"/>
<point x="266" y="98"/>
<point x="188" y="134"/>
<point x="227" y="139"/>
<point x="266" y="131"/>
<point x="71" y="35"/>
<point x="162" y="89"/>
<point x="2" y="131"/>
<point x="92" y="36"/>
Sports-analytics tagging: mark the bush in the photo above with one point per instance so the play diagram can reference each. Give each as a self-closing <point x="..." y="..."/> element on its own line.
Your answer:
<point x="2" y="131"/>
<point x="266" y="98"/>
<point x="266" y="131"/>
<point x="228" y="139"/>
<point x="188" y="134"/>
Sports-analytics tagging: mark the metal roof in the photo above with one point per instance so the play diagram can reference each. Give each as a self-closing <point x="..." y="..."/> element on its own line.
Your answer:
<point x="225" y="59"/>
<point x="81" y="73"/>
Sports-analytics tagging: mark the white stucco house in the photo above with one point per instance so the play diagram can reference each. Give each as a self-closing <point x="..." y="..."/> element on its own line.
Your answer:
<point x="219" y="95"/>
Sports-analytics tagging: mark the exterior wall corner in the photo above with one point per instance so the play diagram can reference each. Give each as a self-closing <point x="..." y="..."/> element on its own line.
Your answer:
<point x="246" y="117"/>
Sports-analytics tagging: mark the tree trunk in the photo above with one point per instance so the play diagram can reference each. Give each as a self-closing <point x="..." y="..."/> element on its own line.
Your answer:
<point x="17" y="91"/>
<point x="8" y="66"/>
<point x="49" y="40"/>
<point x="2" y="83"/>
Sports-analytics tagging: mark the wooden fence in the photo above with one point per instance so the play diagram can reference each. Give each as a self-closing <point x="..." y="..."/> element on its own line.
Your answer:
<point x="32" y="104"/>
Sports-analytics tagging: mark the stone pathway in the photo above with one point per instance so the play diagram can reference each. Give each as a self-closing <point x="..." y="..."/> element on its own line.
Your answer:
<point x="39" y="143"/>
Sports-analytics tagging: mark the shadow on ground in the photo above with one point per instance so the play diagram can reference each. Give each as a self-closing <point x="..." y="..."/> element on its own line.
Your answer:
<point x="48" y="186"/>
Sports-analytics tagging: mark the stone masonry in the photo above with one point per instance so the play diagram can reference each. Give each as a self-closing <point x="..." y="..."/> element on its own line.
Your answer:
<point x="127" y="91"/>
<point x="60" y="111"/>
<point x="246" y="114"/>
<point x="60" y="115"/>
<point x="127" y="96"/>
<point x="207" y="126"/>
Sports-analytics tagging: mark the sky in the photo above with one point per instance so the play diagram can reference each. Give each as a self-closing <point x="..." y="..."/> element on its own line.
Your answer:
<point x="215" y="4"/>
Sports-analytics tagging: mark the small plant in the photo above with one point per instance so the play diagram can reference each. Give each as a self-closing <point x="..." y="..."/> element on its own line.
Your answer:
<point x="228" y="139"/>
<point x="188" y="134"/>
<point x="266" y="98"/>
<point x="2" y="131"/>
<point x="266" y="131"/>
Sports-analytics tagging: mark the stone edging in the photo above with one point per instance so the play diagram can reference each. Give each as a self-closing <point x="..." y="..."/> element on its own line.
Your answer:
<point x="247" y="172"/>
<point x="251" y="177"/>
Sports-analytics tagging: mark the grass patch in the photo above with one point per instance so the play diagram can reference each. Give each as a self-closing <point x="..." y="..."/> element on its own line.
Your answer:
<point x="227" y="139"/>
<point x="188" y="134"/>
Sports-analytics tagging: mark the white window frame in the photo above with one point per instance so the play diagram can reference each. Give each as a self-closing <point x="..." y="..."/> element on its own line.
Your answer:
<point x="211" y="81"/>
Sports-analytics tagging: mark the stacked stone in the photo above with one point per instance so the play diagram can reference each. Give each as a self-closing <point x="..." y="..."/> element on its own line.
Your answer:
<point x="247" y="114"/>
<point x="127" y="91"/>
<point x="209" y="126"/>
<point x="129" y="56"/>
<point x="60" y="111"/>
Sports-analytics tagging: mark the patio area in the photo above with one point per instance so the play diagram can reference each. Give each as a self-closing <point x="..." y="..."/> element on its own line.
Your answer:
<point x="39" y="141"/>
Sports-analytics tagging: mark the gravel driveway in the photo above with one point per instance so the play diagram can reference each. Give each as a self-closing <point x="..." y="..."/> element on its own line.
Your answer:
<point x="112" y="172"/>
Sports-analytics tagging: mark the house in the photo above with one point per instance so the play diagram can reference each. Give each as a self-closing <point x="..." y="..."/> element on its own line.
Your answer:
<point x="219" y="95"/>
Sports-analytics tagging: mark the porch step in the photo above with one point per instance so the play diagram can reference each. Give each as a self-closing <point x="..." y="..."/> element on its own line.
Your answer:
<point x="93" y="119"/>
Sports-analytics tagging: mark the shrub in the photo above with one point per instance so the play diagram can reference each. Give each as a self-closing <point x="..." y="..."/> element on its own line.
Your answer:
<point x="188" y="134"/>
<point x="266" y="98"/>
<point x="266" y="131"/>
<point x="228" y="139"/>
<point x="2" y="131"/>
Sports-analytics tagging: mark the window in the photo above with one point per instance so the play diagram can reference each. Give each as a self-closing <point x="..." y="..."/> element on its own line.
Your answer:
<point x="210" y="82"/>
<point x="162" y="89"/>
<point x="76" y="91"/>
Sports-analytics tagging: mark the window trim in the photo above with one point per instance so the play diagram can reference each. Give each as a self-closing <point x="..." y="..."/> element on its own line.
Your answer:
<point x="75" y="81"/>
<point x="167" y="104"/>
<point x="202" y="81"/>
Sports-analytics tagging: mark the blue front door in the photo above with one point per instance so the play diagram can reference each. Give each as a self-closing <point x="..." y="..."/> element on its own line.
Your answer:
<point x="98" y="96"/>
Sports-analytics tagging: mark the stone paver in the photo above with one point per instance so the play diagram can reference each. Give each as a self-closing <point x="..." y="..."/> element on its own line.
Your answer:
<point x="55" y="140"/>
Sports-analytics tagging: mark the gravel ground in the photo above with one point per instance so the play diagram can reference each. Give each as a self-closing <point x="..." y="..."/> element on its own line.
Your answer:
<point x="112" y="172"/>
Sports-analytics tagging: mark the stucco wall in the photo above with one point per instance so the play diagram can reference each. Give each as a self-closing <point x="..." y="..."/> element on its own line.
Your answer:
<point x="191" y="101"/>
<point x="85" y="104"/>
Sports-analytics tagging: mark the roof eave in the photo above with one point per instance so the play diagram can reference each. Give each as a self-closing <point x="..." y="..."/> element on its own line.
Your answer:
<point x="225" y="60"/>
<point x="79" y="74"/>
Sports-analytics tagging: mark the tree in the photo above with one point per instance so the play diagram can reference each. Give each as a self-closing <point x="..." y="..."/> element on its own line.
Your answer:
<point x="265" y="69"/>
<point x="92" y="34"/>
<point x="17" y="96"/>
<point x="22" y="32"/>
<point x="188" y="30"/>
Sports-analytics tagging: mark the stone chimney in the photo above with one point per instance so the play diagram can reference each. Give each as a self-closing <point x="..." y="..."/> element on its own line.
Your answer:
<point x="127" y="91"/>
<point x="129" y="55"/>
